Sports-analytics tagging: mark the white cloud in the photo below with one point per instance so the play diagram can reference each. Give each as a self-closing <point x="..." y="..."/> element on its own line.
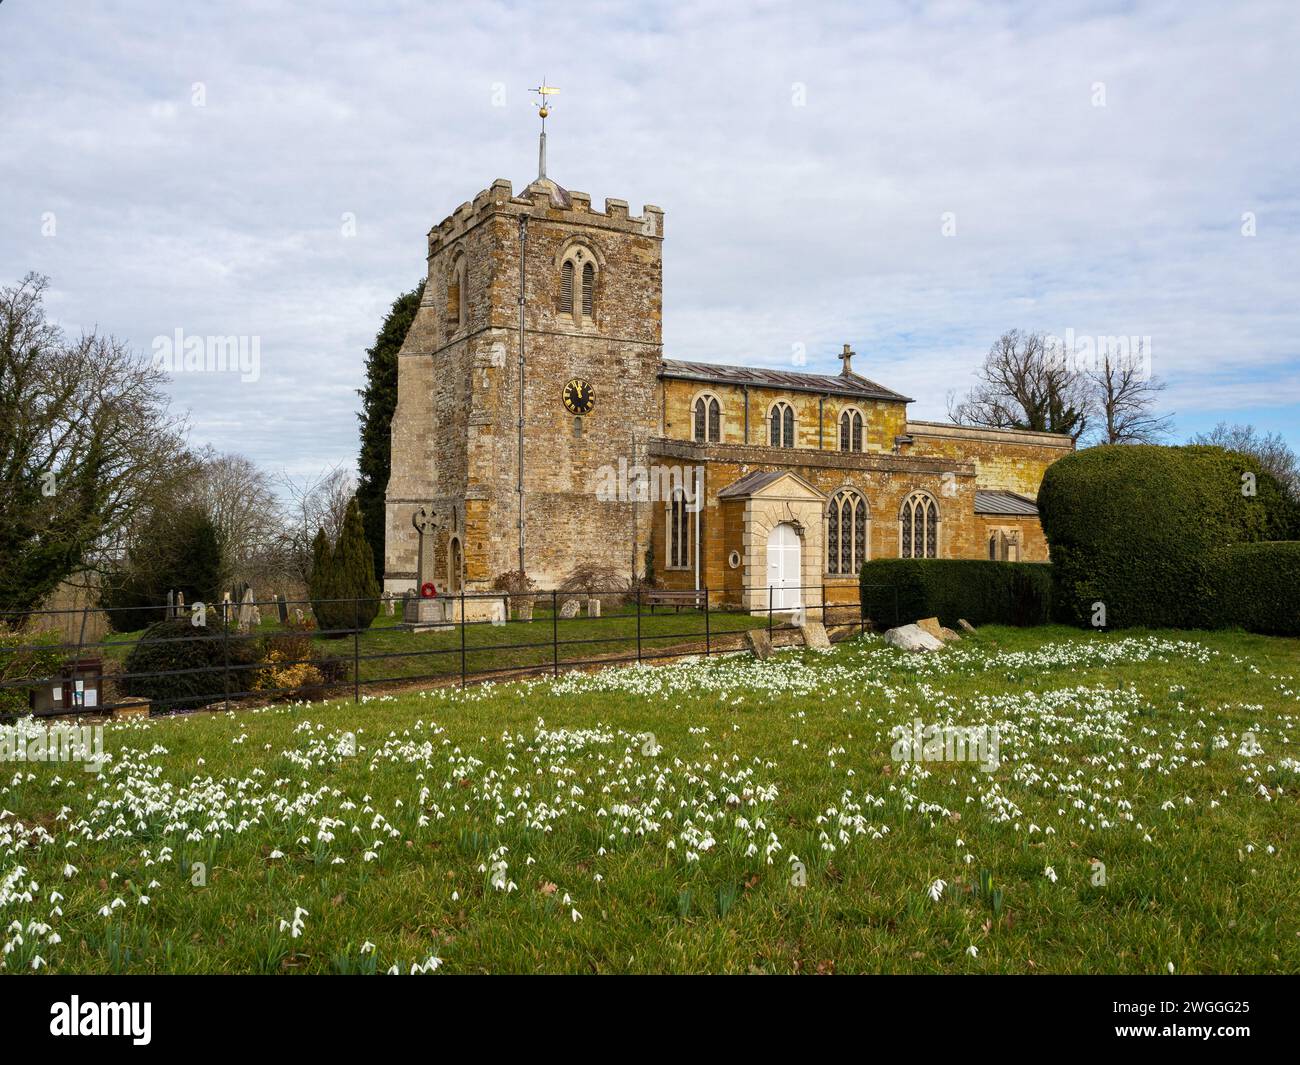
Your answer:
<point x="813" y="224"/>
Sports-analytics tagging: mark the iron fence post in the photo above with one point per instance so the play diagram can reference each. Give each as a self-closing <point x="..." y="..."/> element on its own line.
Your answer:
<point x="225" y="656"/>
<point x="356" y="652"/>
<point x="707" y="640"/>
<point x="555" y="634"/>
<point x="769" y="610"/>
<point x="638" y="624"/>
<point x="462" y="637"/>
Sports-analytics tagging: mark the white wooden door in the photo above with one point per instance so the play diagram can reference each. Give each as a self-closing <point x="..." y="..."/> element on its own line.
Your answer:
<point x="784" y="557"/>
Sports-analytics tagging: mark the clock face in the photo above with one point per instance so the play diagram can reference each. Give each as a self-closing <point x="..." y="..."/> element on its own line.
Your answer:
<point x="579" y="396"/>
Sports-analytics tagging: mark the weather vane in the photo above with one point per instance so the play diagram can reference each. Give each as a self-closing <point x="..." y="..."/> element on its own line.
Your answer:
<point x="543" y="109"/>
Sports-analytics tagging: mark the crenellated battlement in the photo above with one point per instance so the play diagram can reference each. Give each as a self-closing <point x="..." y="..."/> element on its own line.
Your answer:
<point x="544" y="200"/>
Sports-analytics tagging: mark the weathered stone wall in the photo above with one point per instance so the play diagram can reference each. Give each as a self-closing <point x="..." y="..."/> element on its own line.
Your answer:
<point x="884" y="480"/>
<point x="1033" y="544"/>
<point x="1009" y="460"/>
<point x="816" y="417"/>
<point x="455" y="437"/>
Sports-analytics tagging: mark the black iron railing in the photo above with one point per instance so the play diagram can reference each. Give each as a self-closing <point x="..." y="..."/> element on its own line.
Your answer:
<point x="464" y="636"/>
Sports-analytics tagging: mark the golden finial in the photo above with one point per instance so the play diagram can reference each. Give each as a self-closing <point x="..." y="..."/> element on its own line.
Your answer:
<point x="544" y="90"/>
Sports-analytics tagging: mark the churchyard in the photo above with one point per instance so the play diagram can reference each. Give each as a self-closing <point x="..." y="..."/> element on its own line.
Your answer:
<point x="1134" y="812"/>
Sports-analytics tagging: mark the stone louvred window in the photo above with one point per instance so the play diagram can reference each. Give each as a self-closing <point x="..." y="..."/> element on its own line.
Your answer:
<point x="781" y="431"/>
<point x="846" y="533"/>
<point x="564" y="303"/>
<point x="588" y="289"/>
<point x="918" y="527"/>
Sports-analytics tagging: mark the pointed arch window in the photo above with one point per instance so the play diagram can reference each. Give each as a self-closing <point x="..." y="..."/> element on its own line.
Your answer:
<point x="851" y="430"/>
<point x="706" y="420"/>
<point x="846" y="533"/>
<point x="781" y="425"/>
<point x="918" y="527"/>
<point x="679" y="531"/>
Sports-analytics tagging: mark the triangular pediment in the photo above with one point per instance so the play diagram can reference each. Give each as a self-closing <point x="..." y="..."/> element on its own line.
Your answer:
<point x="771" y="484"/>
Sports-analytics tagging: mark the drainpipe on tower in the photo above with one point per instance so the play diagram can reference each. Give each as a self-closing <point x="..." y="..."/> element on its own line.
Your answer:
<point x="519" y="487"/>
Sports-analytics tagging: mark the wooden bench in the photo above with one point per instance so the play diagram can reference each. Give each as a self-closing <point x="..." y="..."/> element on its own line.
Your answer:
<point x="653" y="597"/>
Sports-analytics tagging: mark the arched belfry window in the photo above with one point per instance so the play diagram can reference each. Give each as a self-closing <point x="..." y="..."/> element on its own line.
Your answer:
<point x="781" y="425"/>
<point x="576" y="297"/>
<point x="851" y="430"/>
<point x="846" y="533"/>
<point x="918" y="527"/>
<point x="706" y="420"/>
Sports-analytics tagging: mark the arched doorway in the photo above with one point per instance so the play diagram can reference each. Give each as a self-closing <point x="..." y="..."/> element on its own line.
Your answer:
<point x="454" y="566"/>
<point x="784" y="567"/>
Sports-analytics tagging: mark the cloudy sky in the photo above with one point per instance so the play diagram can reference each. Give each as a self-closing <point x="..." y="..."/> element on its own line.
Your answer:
<point x="269" y="169"/>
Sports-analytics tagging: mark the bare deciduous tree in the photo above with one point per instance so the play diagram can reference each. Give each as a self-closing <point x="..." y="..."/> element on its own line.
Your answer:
<point x="319" y="502"/>
<point x="1123" y="395"/>
<point x="1270" y="449"/>
<point x="1023" y="384"/>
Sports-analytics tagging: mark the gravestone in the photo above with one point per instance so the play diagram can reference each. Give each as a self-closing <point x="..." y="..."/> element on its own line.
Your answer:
<point x="297" y="613"/>
<point x="424" y="528"/>
<point x="248" y="613"/>
<point x="282" y="608"/>
<point x="525" y="609"/>
<point x="814" y="635"/>
<point x="171" y="604"/>
<point x="570" y="608"/>
<point x="392" y="603"/>
<point x="593" y="608"/>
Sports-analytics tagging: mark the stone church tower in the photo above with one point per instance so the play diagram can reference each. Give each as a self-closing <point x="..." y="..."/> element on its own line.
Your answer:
<point x="541" y="288"/>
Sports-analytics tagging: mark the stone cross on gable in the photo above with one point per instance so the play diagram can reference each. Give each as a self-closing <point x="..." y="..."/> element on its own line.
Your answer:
<point x="847" y="357"/>
<point x="424" y="526"/>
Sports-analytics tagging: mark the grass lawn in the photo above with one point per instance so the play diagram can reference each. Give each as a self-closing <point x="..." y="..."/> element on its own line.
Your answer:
<point x="387" y="652"/>
<point x="720" y="816"/>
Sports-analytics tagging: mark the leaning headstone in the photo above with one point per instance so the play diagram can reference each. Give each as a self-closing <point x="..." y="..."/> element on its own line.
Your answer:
<point x="247" y="610"/>
<point x="760" y="643"/>
<point x="180" y="604"/>
<point x="525" y="610"/>
<point x="965" y="625"/>
<point x="282" y="608"/>
<point x="814" y="635"/>
<point x="297" y="613"/>
<point x="947" y="635"/>
<point x="593" y="608"/>
<point x="913" y="638"/>
<point x="392" y="603"/>
<point x="569" y="609"/>
<point x="171" y="604"/>
<point x="932" y="626"/>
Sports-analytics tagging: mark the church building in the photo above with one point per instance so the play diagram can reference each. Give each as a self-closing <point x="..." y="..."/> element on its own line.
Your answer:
<point x="539" y="427"/>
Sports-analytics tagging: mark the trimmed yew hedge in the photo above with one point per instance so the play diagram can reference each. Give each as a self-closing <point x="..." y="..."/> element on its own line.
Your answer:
<point x="1138" y="528"/>
<point x="981" y="592"/>
<point x="1258" y="587"/>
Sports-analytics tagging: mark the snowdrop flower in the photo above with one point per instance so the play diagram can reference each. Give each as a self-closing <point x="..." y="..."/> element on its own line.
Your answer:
<point x="973" y="951"/>
<point x="575" y="915"/>
<point x="1050" y="873"/>
<point x="936" y="889"/>
<point x="69" y="871"/>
